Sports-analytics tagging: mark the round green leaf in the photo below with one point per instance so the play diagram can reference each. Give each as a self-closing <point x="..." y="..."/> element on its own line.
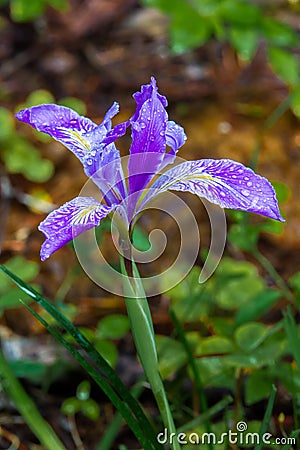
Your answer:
<point x="71" y="406"/>
<point x="83" y="390"/>
<point x="74" y="103"/>
<point x="250" y="336"/>
<point x="90" y="409"/>
<point x="114" y="326"/>
<point x="38" y="97"/>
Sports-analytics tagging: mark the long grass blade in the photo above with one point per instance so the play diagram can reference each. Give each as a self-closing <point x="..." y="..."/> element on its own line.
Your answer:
<point x="267" y="417"/>
<point x="107" y="371"/>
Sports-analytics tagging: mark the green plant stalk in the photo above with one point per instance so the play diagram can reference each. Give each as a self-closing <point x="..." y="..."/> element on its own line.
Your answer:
<point x="267" y="265"/>
<point x="143" y="334"/>
<point x="27" y="408"/>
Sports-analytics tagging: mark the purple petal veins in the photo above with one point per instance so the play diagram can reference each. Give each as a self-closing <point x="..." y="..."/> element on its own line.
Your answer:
<point x="67" y="222"/>
<point x="224" y="182"/>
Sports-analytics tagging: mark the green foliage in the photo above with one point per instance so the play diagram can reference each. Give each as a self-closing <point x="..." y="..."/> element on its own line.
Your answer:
<point x="112" y="327"/>
<point x="82" y="403"/>
<point x="17" y="152"/>
<point x="242" y="24"/>
<point x="25" y="11"/>
<point x="10" y="296"/>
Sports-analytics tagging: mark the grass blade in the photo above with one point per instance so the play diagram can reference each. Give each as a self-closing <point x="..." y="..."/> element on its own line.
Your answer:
<point x="27" y="408"/>
<point x="267" y="417"/>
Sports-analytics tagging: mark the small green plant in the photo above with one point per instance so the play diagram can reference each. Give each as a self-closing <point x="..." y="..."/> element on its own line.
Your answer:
<point x="82" y="403"/>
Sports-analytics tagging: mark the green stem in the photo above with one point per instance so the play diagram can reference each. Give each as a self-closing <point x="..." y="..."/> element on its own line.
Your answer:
<point x="27" y="408"/>
<point x="266" y="264"/>
<point x="143" y="334"/>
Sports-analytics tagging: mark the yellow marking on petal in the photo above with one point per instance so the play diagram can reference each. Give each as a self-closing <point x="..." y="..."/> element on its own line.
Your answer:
<point x="78" y="136"/>
<point x="82" y="214"/>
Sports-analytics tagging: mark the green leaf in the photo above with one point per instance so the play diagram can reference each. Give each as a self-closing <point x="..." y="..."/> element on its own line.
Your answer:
<point x="258" y="306"/>
<point x="38" y="97"/>
<point x="240" y="12"/>
<point x="21" y="267"/>
<point x="114" y="326"/>
<point x="295" y="101"/>
<point x="214" y="345"/>
<point x="108" y="351"/>
<point x="243" y="236"/>
<point x="90" y="409"/>
<point x="7" y="124"/>
<point x="140" y="239"/>
<point x="257" y="387"/>
<point x="294" y="282"/>
<point x="234" y="284"/>
<point x="61" y="5"/>
<point x="171" y="355"/>
<point x="249" y="336"/>
<point x="24" y="11"/>
<point x="13" y="299"/>
<point x="284" y="64"/>
<point x="83" y="390"/>
<point x="31" y="370"/>
<point x="41" y="171"/>
<point x="279" y="33"/>
<point x="180" y="30"/>
<point x="71" y="406"/>
<point x="74" y="103"/>
<point x="244" y="41"/>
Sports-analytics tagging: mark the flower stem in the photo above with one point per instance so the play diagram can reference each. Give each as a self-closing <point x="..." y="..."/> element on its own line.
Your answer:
<point x="143" y="334"/>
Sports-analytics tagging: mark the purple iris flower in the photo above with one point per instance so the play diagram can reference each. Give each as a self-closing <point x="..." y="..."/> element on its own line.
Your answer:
<point x="155" y="142"/>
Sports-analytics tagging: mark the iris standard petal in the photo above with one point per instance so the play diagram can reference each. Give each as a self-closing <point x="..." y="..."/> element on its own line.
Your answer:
<point x="148" y="127"/>
<point x="175" y="138"/>
<point x="73" y="218"/>
<point x="224" y="182"/>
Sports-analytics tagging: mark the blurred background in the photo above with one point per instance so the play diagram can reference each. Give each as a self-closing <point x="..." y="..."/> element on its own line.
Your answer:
<point x="230" y="71"/>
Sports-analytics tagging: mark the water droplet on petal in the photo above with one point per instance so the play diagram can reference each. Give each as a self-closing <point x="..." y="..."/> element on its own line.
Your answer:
<point x="245" y="192"/>
<point x="249" y="184"/>
<point x="143" y="125"/>
<point x="89" y="161"/>
<point x="222" y="194"/>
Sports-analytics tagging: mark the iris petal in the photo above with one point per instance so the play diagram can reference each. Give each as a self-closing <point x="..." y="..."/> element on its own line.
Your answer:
<point x="92" y="144"/>
<point x="67" y="222"/>
<point x="61" y="123"/>
<point x="224" y="182"/>
<point x="148" y="127"/>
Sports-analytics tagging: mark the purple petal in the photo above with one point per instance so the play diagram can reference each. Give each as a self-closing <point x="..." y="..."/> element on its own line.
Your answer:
<point x="73" y="218"/>
<point x="61" y="123"/>
<point x="92" y="144"/>
<point x="224" y="182"/>
<point x="175" y="138"/>
<point x="148" y="136"/>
